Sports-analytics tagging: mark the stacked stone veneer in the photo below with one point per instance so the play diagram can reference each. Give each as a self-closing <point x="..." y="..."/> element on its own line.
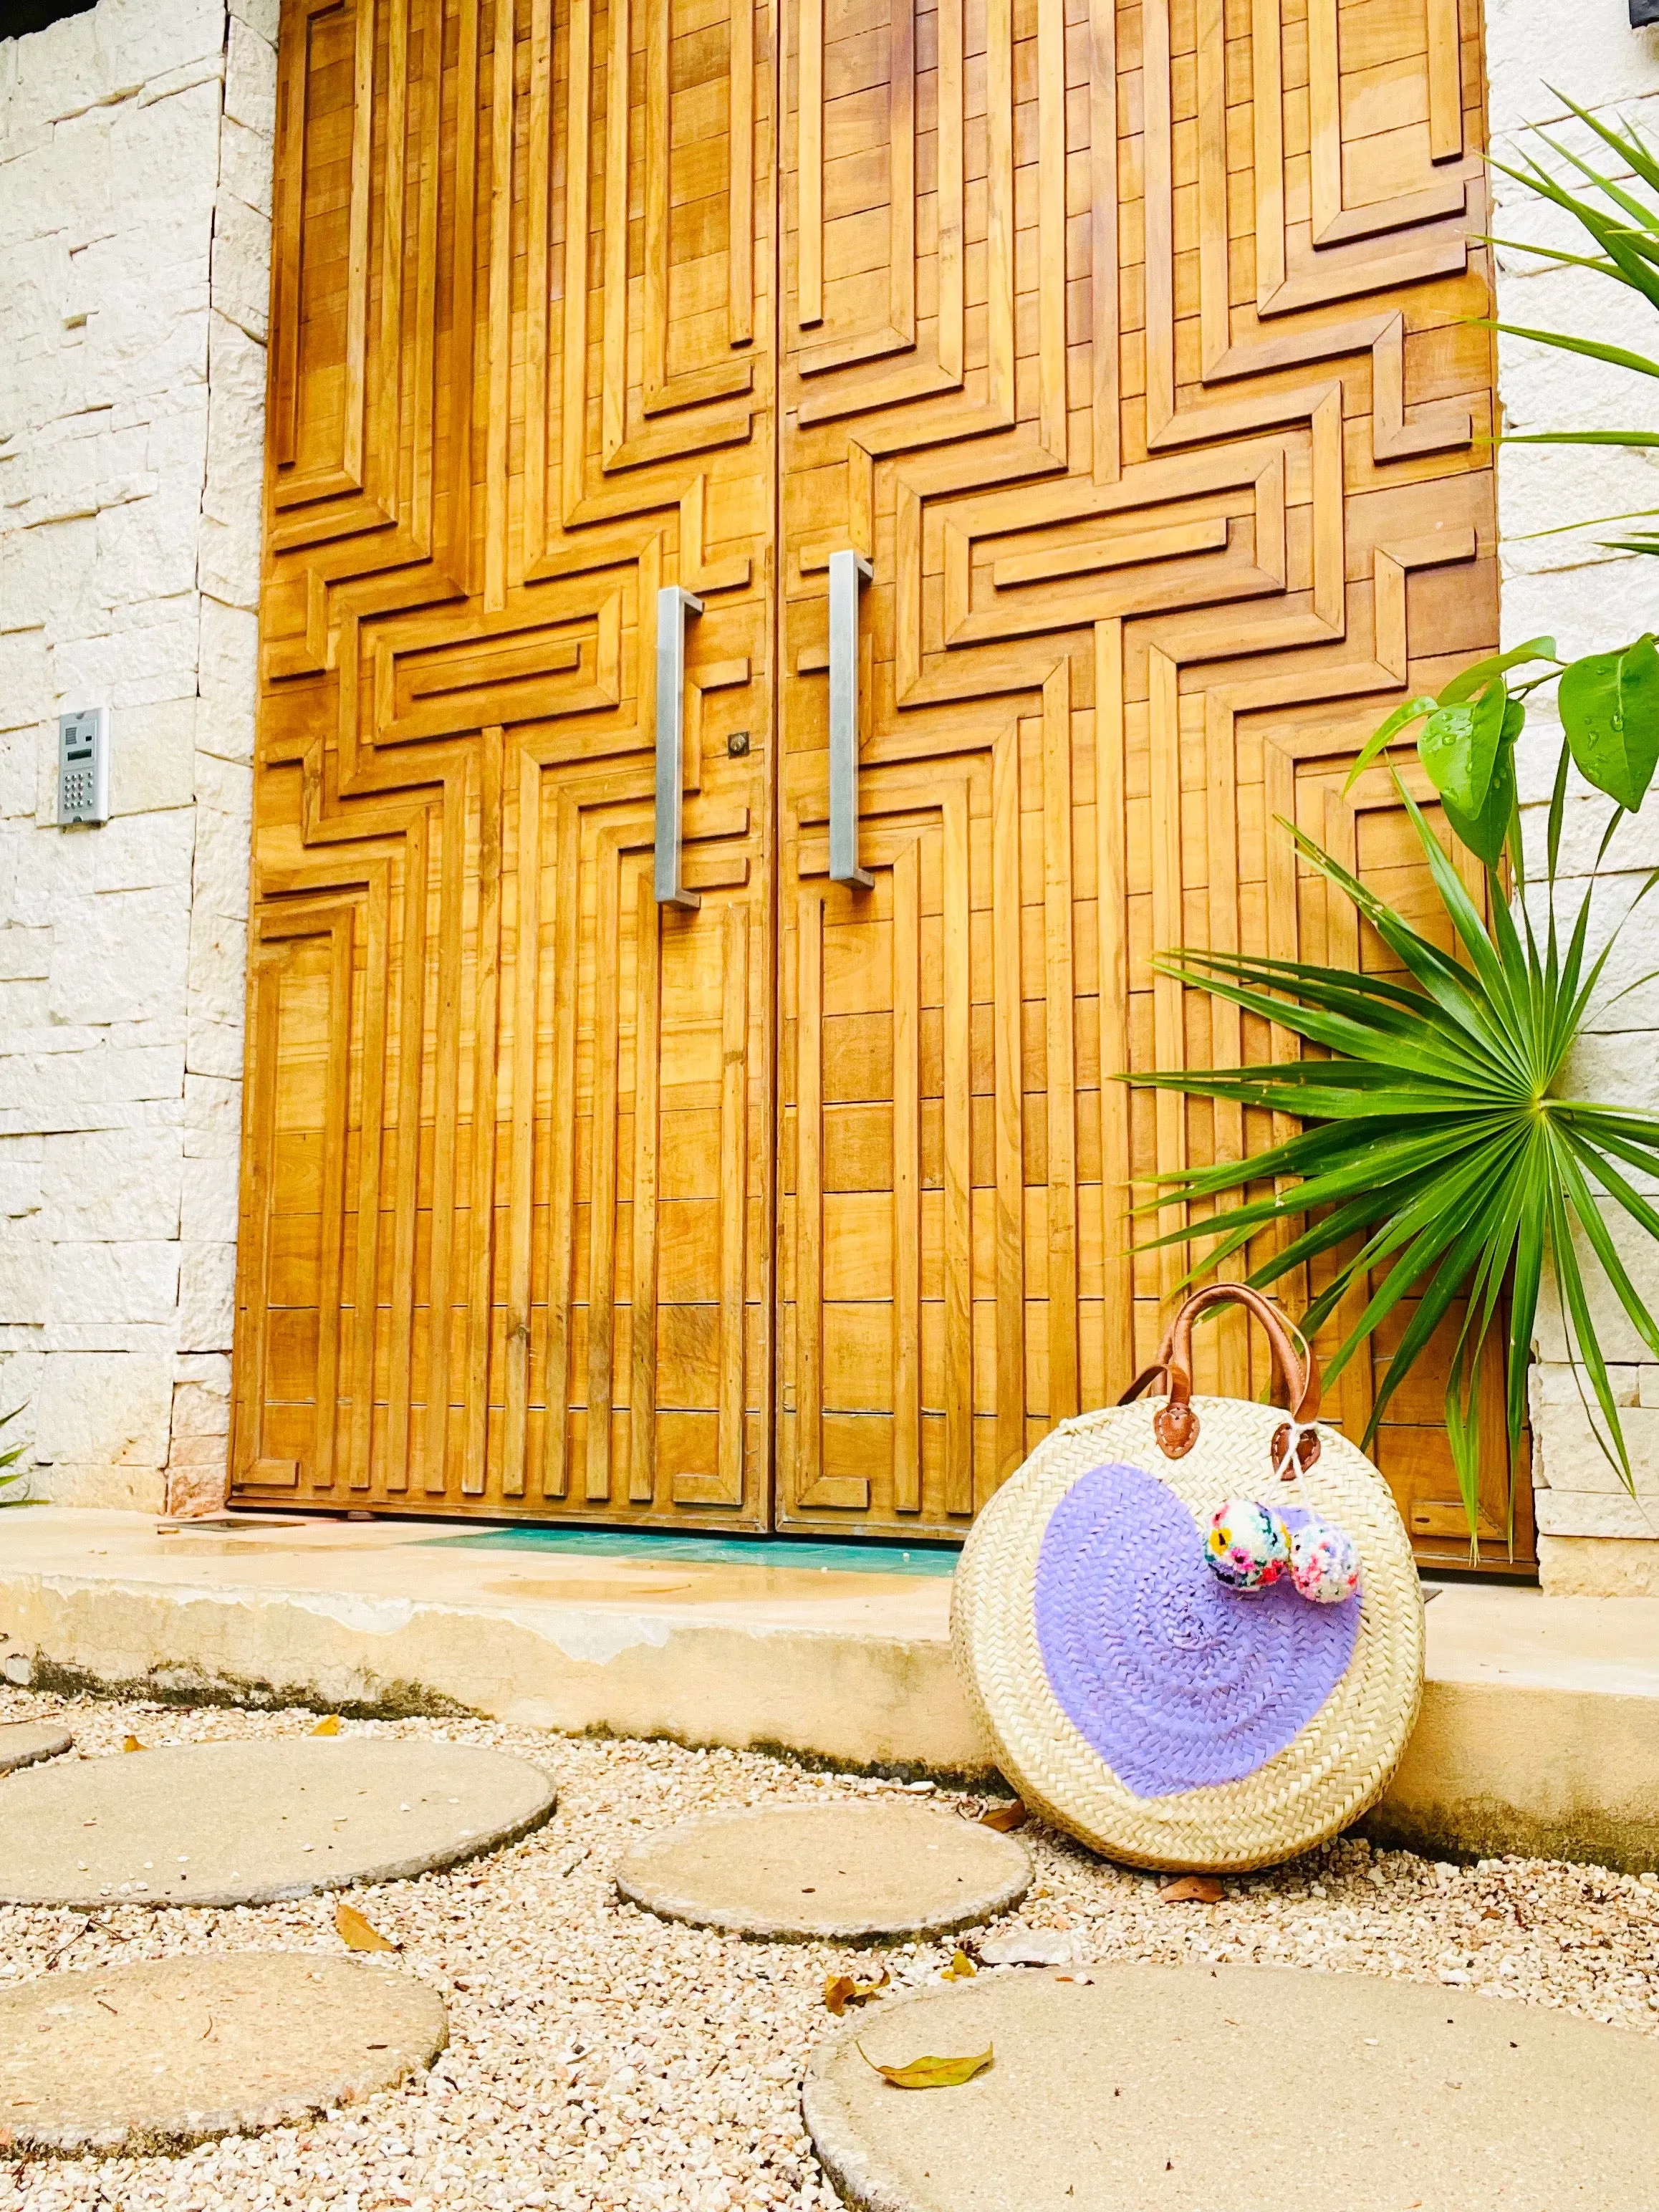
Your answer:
<point x="1570" y="588"/>
<point x="134" y="192"/>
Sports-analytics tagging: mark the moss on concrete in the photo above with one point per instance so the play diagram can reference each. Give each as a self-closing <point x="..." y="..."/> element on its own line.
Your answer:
<point x="184" y="1685"/>
<point x="1487" y="1829"/>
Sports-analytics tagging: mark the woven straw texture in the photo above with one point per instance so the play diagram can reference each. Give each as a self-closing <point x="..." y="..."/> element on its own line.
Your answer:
<point x="1331" y="1769"/>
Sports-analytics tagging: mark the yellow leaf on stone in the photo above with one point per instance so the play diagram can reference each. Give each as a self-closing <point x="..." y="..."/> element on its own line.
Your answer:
<point x="841" y="1990"/>
<point x="960" y="1968"/>
<point x="931" y="2073"/>
<point x="1005" y="1818"/>
<point x="358" y="1934"/>
<point x="329" y="1727"/>
<point x="131" y="1743"/>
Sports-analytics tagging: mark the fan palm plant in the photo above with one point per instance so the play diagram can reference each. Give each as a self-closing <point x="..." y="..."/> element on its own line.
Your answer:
<point x="1441" y="1157"/>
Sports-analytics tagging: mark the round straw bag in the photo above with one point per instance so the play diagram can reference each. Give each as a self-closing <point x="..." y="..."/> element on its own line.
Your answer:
<point x="1130" y="1697"/>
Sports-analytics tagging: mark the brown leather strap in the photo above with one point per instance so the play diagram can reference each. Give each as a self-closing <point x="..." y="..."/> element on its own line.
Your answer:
<point x="1175" y="1424"/>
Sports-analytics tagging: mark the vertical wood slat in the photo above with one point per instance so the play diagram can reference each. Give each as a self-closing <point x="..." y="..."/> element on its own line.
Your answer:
<point x="735" y="1200"/>
<point x="526" y="978"/>
<point x="537" y="357"/>
<point x="1226" y="1023"/>
<point x="999" y="201"/>
<point x="254" y="1307"/>
<point x="1051" y="231"/>
<point x="561" y="1227"/>
<point x="1111" y="862"/>
<point x="1169" y="1019"/>
<point x="486" y="1003"/>
<point x="809" y="1193"/>
<point x="949" y="155"/>
<point x="452" y="863"/>
<point x="371" y="1143"/>
<point x="959" y="1160"/>
<point x="1445" y="82"/>
<point x="740" y="175"/>
<point x="1009" y="1140"/>
<point x="1324" y="113"/>
<point x="602" y="1186"/>
<point x="400" y="1319"/>
<point x="907" y="1179"/>
<point x="809" y="139"/>
<point x="1062" y="1047"/>
<point x="331" y="1234"/>
<point x="1267" y="120"/>
<point x="577" y="165"/>
<point x="499" y="427"/>
<point x="658" y="104"/>
<point x="642" y="1340"/>
<point x="1159" y="279"/>
<point x="1060" y="1015"/>
<point x="288" y="199"/>
<point x="1339" y="836"/>
<point x="902" y="169"/>
<point x="384" y="391"/>
<point x="362" y="127"/>
<point x="613" y="402"/>
<point x="1104" y="247"/>
<point x="457" y="368"/>
<point x="1214" y="287"/>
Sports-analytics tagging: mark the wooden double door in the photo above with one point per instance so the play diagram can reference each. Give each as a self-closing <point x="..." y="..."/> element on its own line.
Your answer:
<point x="1126" y="347"/>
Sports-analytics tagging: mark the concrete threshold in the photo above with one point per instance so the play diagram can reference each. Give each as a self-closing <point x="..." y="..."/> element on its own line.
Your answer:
<point x="1539" y="1736"/>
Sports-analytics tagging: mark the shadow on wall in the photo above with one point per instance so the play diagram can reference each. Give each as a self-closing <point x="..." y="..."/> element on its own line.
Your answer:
<point x="19" y="17"/>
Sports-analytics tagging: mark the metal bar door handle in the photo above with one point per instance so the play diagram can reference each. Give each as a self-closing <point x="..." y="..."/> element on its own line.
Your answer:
<point x="849" y="571"/>
<point x="674" y="607"/>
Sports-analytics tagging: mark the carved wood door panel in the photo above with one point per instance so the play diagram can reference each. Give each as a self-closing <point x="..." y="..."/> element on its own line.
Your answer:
<point x="1126" y="344"/>
<point x="1126" y="347"/>
<point x="507" y="1225"/>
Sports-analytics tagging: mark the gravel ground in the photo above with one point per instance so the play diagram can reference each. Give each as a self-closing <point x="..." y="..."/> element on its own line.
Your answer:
<point x="600" y="2058"/>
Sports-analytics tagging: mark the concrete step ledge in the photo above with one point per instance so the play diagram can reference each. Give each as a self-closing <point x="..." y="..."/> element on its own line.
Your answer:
<point x="1540" y="1731"/>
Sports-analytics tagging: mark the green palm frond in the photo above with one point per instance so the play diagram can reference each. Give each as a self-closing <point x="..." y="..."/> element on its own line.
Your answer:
<point x="12" y="1478"/>
<point x="1438" y="1160"/>
<point x="1617" y="208"/>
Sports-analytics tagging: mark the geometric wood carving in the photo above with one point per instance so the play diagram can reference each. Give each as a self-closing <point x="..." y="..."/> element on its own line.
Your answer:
<point x="507" y="1198"/>
<point x="1131" y="345"/>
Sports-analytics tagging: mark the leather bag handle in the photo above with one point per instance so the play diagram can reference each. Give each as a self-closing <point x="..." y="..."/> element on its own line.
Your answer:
<point x="1175" y="1423"/>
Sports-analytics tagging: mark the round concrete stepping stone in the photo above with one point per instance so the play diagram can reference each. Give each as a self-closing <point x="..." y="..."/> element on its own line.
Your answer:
<point x="845" y="1871"/>
<point x="1263" y="2090"/>
<point x="245" y="1823"/>
<point x="154" y="2058"/>
<point x="23" y="1742"/>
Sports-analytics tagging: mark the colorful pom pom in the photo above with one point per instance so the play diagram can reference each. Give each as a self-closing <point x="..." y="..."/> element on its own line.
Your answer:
<point x="1324" y="1562"/>
<point x="1249" y="1546"/>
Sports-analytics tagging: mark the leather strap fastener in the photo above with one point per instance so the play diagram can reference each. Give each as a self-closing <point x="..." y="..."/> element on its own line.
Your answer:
<point x="1296" y="1378"/>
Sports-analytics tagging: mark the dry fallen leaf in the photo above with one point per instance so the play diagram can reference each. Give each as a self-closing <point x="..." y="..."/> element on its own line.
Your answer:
<point x="931" y="2073"/>
<point x="131" y="1743"/>
<point x="1005" y="1818"/>
<point x="841" y="1990"/>
<point x="1192" y="1889"/>
<point x="328" y="1727"/>
<point x="960" y="1968"/>
<point x="357" y="1934"/>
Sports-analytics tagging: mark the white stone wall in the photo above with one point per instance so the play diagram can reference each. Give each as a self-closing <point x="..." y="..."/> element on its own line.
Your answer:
<point x="135" y="195"/>
<point x="1590" y="600"/>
